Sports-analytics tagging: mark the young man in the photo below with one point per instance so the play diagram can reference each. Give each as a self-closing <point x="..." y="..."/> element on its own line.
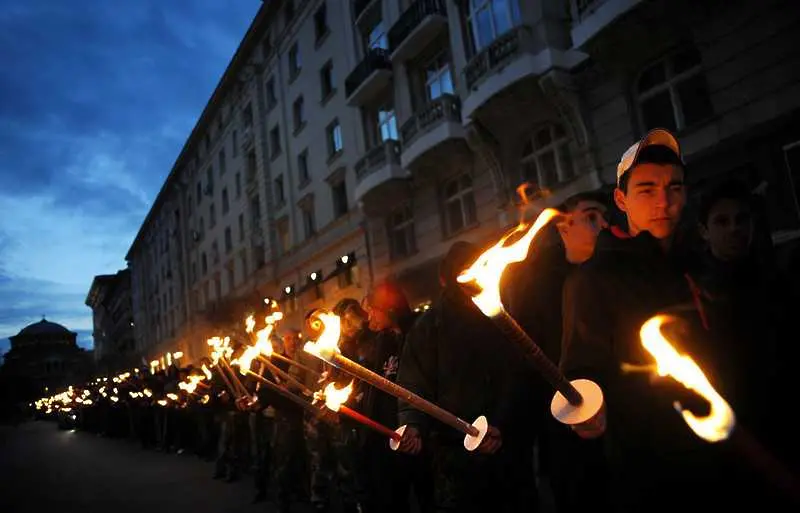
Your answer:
<point x="656" y="462"/>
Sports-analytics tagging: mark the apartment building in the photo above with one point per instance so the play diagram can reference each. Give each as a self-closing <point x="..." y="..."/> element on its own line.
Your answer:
<point x="349" y="142"/>
<point x="109" y="298"/>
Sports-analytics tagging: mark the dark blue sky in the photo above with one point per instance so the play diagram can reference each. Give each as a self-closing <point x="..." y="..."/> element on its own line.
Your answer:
<point x="96" y="99"/>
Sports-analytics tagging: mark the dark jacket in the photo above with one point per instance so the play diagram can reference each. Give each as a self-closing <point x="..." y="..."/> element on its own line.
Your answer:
<point x="455" y="357"/>
<point x="655" y="458"/>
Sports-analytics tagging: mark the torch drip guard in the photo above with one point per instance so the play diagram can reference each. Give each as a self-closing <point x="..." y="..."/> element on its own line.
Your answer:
<point x="589" y="407"/>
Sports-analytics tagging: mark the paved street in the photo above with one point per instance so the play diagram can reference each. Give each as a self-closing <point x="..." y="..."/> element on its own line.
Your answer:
<point x="44" y="469"/>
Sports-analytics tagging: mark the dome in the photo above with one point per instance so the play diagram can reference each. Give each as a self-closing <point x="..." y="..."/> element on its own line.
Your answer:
<point x="44" y="327"/>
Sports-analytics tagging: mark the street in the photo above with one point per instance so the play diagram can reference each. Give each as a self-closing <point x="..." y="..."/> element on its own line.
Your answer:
<point x="45" y="469"/>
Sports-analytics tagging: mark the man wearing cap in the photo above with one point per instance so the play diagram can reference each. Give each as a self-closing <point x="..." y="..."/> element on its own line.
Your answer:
<point x="656" y="462"/>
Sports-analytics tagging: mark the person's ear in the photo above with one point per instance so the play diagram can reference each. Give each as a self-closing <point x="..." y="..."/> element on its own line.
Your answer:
<point x="703" y="230"/>
<point x="620" y="199"/>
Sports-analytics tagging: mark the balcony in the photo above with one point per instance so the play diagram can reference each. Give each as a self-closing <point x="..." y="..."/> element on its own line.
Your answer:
<point x="370" y="77"/>
<point x="433" y="124"/>
<point x="247" y="137"/>
<point x="590" y="17"/>
<point x="377" y="170"/>
<point x="415" y="28"/>
<point x="510" y="58"/>
<point x="360" y="6"/>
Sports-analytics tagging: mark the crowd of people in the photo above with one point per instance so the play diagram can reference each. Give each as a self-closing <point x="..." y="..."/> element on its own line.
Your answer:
<point x="582" y="295"/>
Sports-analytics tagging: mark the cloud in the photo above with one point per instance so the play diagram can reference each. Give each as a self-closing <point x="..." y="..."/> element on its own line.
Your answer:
<point x="98" y="99"/>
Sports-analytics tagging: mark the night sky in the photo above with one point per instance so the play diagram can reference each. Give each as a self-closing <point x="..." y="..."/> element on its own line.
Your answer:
<point x="97" y="98"/>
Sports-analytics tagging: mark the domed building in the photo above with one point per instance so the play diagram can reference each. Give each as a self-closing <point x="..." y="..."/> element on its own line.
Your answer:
<point x="44" y="355"/>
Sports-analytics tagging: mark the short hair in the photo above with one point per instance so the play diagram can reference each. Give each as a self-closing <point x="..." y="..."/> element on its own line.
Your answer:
<point x="346" y="304"/>
<point x="730" y="190"/>
<point x="655" y="154"/>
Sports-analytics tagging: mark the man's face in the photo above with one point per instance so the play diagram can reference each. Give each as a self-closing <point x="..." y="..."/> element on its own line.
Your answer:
<point x="379" y="320"/>
<point x="655" y="199"/>
<point x="580" y="228"/>
<point x="352" y="322"/>
<point x="729" y="229"/>
<point x="290" y="344"/>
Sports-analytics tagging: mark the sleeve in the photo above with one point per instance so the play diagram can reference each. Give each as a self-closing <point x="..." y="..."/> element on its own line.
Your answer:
<point x="587" y="339"/>
<point x="417" y="371"/>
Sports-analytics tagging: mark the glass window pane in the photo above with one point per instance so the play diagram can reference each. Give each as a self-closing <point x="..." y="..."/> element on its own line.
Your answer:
<point x="434" y="90"/>
<point x="466" y="181"/>
<point x="543" y="138"/>
<point x="484" y="28"/>
<point x="451" y="189"/>
<point x="565" y="161"/>
<point x="447" y="82"/>
<point x="558" y="131"/>
<point x="547" y="171"/>
<point x="502" y="16"/>
<point x="530" y="173"/>
<point x="685" y="60"/>
<point x="695" y="100"/>
<point x="470" y="210"/>
<point x="455" y="216"/>
<point x="657" y="112"/>
<point x="651" y="78"/>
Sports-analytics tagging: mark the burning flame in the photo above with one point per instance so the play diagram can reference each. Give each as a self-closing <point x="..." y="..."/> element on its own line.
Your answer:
<point x="206" y="372"/>
<point x="328" y="341"/>
<point x="220" y="348"/>
<point x="720" y="421"/>
<point x="335" y="397"/>
<point x="488" y="268"/>
<point x="147" y="392"/>
<point x="249" y="324"/>
<point x="162" y="402"/>
<point x="172" y="397"/>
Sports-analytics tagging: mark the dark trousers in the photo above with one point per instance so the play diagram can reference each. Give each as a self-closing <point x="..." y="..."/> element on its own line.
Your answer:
<point x="261" y="429"/>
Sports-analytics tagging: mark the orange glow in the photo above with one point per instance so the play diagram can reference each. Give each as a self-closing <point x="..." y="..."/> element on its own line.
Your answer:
<point x="328" y="341"/>
<point x="335" y="397"/>
<point x="720" y="421"/>
<point x="487" y="270"/>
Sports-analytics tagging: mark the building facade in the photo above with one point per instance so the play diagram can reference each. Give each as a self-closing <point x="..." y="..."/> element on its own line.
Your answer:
<point x="112" y="315"/>
<point x="351" y="142"/>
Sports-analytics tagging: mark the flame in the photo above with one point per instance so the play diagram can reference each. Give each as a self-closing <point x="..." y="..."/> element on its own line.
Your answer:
<point x="246" y="359"/>
<point x="172" y="397"/>
<point x="328" y="341"/>
<point x="250" y="324"/>
<point x="206" y="371"/>
<point x="220" y="348"/>
<point x="720" y="421"/>
<point x="177" y="355"/>
<point x="147" y="392"/>
<point x="488" y="268"/>
<point x="162" y="402"/>
<point x="335" y="397"/>
<point x="205" y="399"/>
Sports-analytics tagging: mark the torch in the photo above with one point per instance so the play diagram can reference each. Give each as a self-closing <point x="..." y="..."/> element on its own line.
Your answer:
<point x="326" y="348"/>
<point x="334" y="399"/>
<point x="576" y="401"/>
<point x="720" y="422"/>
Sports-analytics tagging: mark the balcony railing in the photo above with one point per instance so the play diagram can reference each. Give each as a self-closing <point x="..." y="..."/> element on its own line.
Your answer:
<point x="411" y="19"/>
<point x="493" y="56"/>
<point x="386" y="153"/>
<point x="445" y="108"/>
<point x="359" y="6"/>
<point x="375" y="60"/>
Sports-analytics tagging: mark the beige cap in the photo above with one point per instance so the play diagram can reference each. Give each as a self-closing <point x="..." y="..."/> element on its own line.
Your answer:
<point x="655" y="137"/>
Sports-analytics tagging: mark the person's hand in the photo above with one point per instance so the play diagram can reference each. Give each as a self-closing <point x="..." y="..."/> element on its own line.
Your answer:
<point x="491" y="442"/>
<point x="592" y="428"/>
<point x="411" y="443"/>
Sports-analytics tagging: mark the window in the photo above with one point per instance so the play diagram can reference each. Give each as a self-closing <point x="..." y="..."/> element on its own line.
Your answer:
<point x="280" y="196"/>
<point x="284" y="240"/>
<point x="275" y="142"/>
<point x="295" y="64"/>
<point x="194" y="272"/>
<point x="202" y="226"/>
<point x="339" y="194"/>
<point x="231" y="276"/>
<point x="225" y="203"/>
<point x="241" y="227"/>
<point x="387" y="123"/>
<point x="243" y="258"/>
<point x="267" y="47"/>
<point x="247" y="116"/>
<point x="234" y="142"/>
<point x="255" y="210"/>
<point x="673" y="93"/>
<point x="217" y="287"/>
<point x="209" y="180"/>
<point x="489" y="19"/>
<point x="258" y="256"/>
<point x="334" y="137"/>
<point x="189" y="205"/>
<point x="272" y="100"/>
<point x="376" y="38"/>
<point x="203" y="263"/>
<point x="221" y="162"/>
<point x="320" y="23"/>
<point x="347" y="277"/>
<point x="199" y="192"/>
<point x="309" y="224"/>
<point x="546" y="158"/>
<point x="252" y="167"/>
<point x="302" y="168"/>
<point x="400" y="231"/>
<point x="326" y="80"/>
<point x="228" y="240"/>
<point x="298" y="114"/>
<point x="238" y="185"/>
<point x="212" y="216"/>
<point x="459" y="204"/>
<point x="215" y="252"/>
<point x="438" y="78"/>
